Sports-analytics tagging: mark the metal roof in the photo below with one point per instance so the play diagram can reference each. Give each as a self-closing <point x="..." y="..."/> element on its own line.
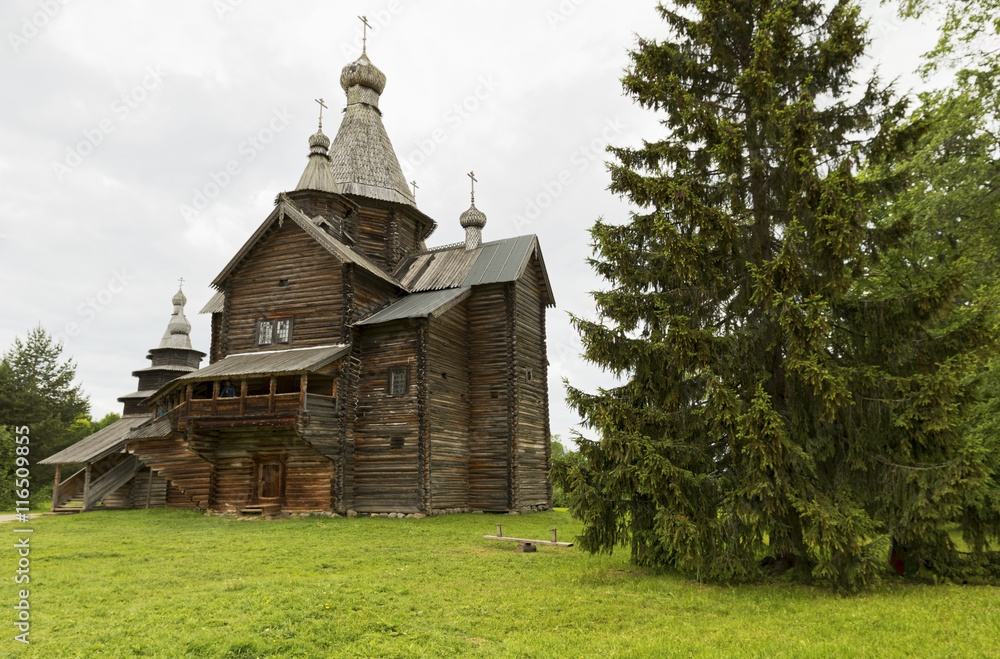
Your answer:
<point x="158" y="429"/>
<point x="271" y="362"/>
<point x="493" y="262"/>
<point x="216" y="305"/>
<point x="441" y="269"/>
<point x="419" y="305"/>
<point x="107" y="440"/>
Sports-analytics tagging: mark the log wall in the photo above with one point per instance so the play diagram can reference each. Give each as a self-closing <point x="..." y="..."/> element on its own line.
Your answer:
<point x="489" y="395"/>
<point x="532" y="486"/>
<point x="386" y="453"/>
<point x="448" y="413"/>
<point x="308" y="475"/>
<point x="384" y="235"/>
<point x="314" y="277"/>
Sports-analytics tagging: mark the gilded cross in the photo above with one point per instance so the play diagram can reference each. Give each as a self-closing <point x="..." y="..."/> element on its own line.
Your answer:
<point x="322" y="106"/>
<point x="472" y="175"/>
<point x="364" y="33"/>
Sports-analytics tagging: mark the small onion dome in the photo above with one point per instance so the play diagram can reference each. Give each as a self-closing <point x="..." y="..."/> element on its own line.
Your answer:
<point x="473" y="221"/>
<point x="179" y="300"/>
<point x="319" y="143"/>
<point x="179" y="325"/>
<point x="362" y="72"/>
<point x="472" y="218"/>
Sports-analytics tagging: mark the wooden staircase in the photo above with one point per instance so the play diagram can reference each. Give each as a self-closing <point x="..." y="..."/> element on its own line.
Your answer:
<point x="74" y="504"/>
<point x="172" y="460"/>
<point x="75" y="495"/>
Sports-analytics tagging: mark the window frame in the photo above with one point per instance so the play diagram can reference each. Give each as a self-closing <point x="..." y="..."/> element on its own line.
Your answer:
<point x="406" y="381"/>
<point x="261" y="324"/>
<point x="271" y="323"/>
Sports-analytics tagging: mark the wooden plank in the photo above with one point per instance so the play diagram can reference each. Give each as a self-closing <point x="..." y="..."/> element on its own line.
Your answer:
<point x="528" y="542"/>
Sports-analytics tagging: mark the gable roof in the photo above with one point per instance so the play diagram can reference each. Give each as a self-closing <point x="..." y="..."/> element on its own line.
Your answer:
<point x="418" y="305"/>
<point x="494" y="262"/>
<point x="107" y="440"/>
<point x="283" y="210"/>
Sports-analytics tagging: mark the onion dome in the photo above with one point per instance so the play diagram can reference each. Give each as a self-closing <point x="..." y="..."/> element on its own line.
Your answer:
<point x="317" y="174"/>
<point x="363" y="72"/>
<point x="362" y="158"/>
<point x="473" y="220"/>
<point x="178" y="329"/>
<point x="319" y="143"/>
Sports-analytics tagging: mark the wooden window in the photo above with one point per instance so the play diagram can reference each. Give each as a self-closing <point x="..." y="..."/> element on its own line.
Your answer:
<point x="282" y="283"/>
<point x="265" y="331"/>
<point x="396" y="443"/>
<point x="274" y="330"/>
<point x="283" y="330"/>
<point x="398" y="383"/>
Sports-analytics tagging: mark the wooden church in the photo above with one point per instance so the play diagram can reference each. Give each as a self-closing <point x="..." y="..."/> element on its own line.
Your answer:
<point x="110" y="478"/>
<point x="351" y="367"/>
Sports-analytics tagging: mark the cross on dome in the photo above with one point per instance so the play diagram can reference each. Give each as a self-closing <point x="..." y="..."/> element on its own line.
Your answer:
<point x="322" y="106"/>
<point x="364" y="34"/>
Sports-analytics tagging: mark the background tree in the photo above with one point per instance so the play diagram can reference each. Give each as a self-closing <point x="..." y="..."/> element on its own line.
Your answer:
<point x="956" y="206"/>
<point x="785" y="399"/>
<point x="37" y="390"/>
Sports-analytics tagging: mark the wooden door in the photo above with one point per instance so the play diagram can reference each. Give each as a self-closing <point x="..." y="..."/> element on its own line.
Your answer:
<point x="269" y="481"/>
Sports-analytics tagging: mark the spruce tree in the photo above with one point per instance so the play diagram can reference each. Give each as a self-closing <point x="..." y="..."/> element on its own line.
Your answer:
<point x="37" y="390"/>
<point x="784" y="402"/>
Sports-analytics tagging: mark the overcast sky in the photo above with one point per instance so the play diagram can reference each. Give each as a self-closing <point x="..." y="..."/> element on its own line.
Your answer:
<point x="145" y="141"/>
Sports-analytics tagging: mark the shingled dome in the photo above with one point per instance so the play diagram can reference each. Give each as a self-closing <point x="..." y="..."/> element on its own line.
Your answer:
<point x="318" y="175"/>
<point x="362" y="158"/>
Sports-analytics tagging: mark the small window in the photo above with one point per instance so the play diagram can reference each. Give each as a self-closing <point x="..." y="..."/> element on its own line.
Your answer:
<point x="528" y="374"/>
<point x="396" y="443"/>
<point x="282" y="283"/>
<point x="264" y="332"/>
<point x="397" y="381"/>
<point x="282" y="330"/>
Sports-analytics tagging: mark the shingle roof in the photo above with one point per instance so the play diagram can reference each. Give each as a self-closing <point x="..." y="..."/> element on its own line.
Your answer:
<point x="107" y="440"/>
<point x="318" y="175"/>
<point x="493" y="262"/>
<point x="362" y="158"/>
<point x="419" y="305"/>
<point x="216" y="305"/>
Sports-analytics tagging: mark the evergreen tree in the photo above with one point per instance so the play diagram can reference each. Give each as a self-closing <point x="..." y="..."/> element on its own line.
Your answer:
<point x="784" y="399"/>
<point x="37" y="390"/>
<point x="956" y="210"/>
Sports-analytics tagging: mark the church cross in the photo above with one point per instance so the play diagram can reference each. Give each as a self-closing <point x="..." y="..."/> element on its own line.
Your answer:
<point x="472" y="175"/>
<point x="364" y="34"/>
<point x="181" y="282"/>
<point x="415" y="186"/>
<point x="322" y="106"/>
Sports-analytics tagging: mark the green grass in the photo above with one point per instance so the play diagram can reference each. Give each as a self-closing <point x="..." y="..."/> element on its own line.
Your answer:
<point x="177" y="584"/>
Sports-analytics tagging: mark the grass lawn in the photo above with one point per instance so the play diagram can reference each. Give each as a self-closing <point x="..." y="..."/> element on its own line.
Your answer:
<point x="178" y="584"/>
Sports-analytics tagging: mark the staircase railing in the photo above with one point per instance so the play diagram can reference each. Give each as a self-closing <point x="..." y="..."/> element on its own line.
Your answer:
<point x="110" y="481"/>
<point x="65" y="490"/>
